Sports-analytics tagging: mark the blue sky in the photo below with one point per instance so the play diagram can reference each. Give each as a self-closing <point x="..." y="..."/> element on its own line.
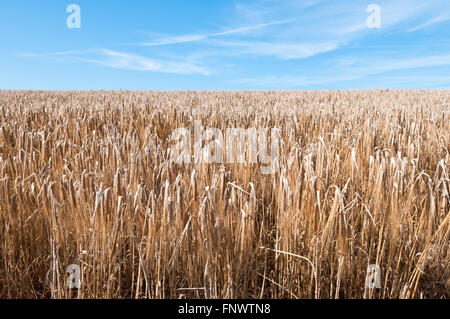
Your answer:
<point x="224" y="45"/>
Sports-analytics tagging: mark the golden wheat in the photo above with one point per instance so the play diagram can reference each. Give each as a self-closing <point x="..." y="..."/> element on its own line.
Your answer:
<point x="86" y="179"/>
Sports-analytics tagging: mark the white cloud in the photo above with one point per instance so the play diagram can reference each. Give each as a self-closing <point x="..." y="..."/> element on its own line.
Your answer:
<point x="176" y="40"/>
<point x="198" y="37"/>
<point x="385" y="65"/>
<point x="281" y="50"/>
<point x="126" y="61"/>
<point x="300" y="29"/>
<point x="355" y="70"/>
<point x="435" y="20"/>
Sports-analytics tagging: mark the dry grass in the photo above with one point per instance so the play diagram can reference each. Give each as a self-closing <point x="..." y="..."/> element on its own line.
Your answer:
<point x="85" y="178"/>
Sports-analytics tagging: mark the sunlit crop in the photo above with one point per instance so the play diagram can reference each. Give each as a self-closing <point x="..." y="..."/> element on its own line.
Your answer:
<point x="86" y="178"/>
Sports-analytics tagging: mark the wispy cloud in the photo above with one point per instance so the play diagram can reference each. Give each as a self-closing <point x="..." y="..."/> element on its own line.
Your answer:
<point x="198" y="37"/>
<point x="432" y="21"/>
<point x="353" y="70"/>
<point x="125" y="61"/>
<point x="298" y="29"/>
<point x="385" y="65"/>
<point x="281" y="50"/>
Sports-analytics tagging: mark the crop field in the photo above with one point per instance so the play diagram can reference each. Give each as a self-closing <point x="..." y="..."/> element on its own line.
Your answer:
<point x="356" y="204"/>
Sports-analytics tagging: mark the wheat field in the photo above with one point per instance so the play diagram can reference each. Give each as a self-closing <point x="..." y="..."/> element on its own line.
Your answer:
<point x="86" y="178"/>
